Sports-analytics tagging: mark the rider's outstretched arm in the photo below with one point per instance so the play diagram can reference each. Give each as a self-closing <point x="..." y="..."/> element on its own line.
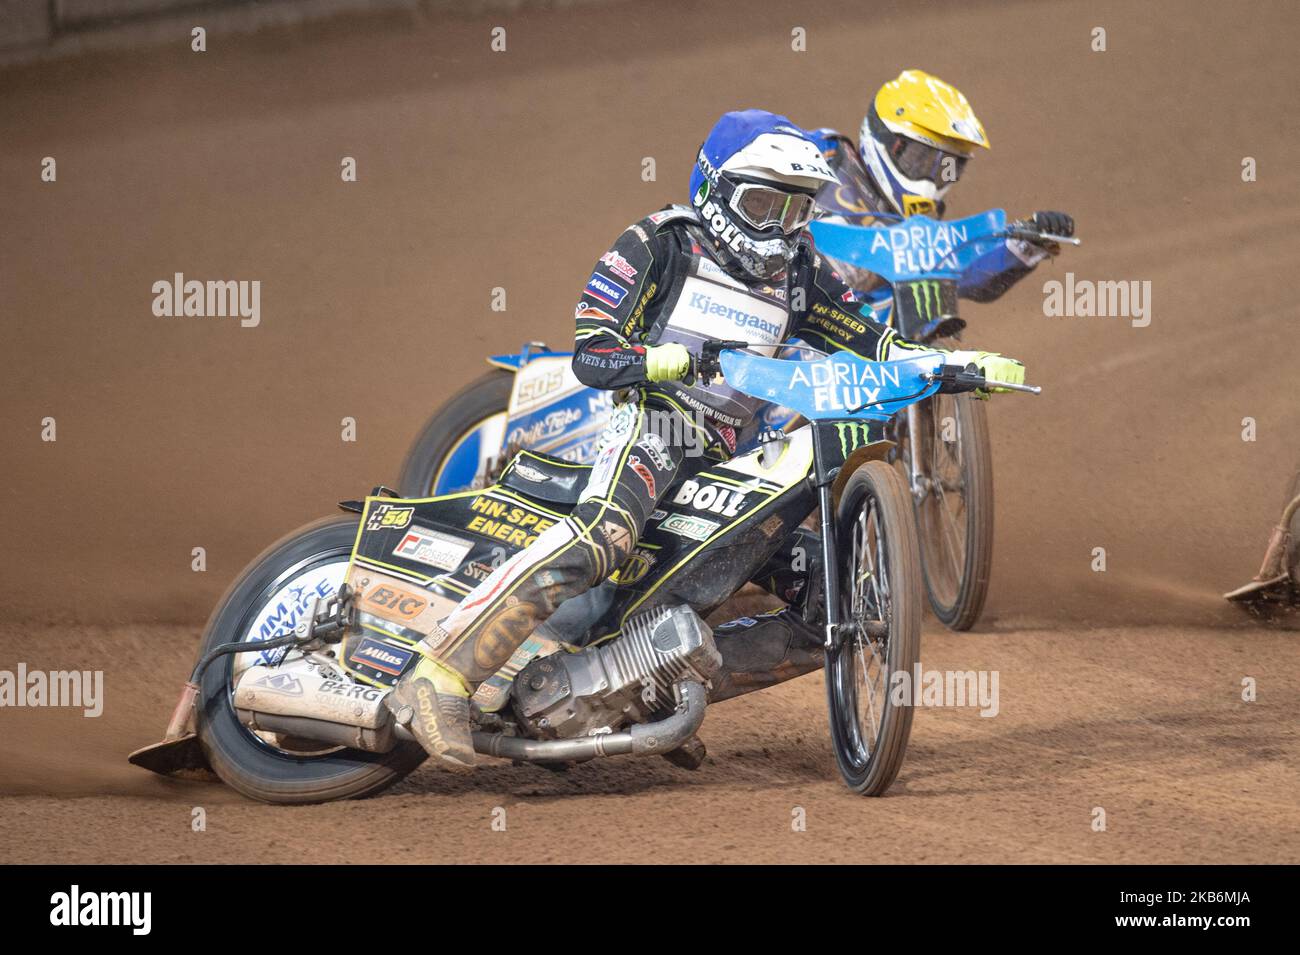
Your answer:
<point x="990" y="276"/>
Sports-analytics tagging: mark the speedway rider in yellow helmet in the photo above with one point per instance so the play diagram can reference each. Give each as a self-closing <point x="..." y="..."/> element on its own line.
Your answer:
<point x="916" y="139"/>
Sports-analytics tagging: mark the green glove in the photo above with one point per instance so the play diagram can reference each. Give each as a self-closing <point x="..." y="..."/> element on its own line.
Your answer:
<point x="670" y="362"/>
<point x="991" y="365"/>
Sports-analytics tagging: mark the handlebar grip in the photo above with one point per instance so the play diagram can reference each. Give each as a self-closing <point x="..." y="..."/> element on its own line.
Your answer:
<point x="989" y="383"/>
<point x="1020" y="230"/>
<point x="956" y="380"/>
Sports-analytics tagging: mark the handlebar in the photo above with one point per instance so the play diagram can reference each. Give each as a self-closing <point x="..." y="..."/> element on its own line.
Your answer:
<point x="953" y="379"/>
<point x="1024" y="230"/>
<point x="706" y="365"/>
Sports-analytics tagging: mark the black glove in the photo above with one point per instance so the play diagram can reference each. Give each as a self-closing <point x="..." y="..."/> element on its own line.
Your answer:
<point x="1053" y="223"/>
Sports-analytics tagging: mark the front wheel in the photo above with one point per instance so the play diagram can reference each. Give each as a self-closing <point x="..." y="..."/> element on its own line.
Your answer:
<point x="266" y="601"/>
<point x="881" y="606"/>
<point x="953" y="497"/>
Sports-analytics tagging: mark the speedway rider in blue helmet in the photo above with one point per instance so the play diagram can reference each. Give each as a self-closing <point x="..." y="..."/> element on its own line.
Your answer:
<point x="728" y="267"/>
<point x="917" y="136"/>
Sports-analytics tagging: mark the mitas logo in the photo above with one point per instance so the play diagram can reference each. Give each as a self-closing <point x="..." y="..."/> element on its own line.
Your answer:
<point x="381" y="656"/>
<point x="844" y="386"/>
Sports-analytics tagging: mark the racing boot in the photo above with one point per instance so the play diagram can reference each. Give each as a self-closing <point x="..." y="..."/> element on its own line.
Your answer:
<point x="433" y="701"/>
<point x="762" y="651"/>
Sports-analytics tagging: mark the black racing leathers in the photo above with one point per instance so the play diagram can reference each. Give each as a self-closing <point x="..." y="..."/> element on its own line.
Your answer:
<point x="636" y="285"/>
<point x="660" y="282"/>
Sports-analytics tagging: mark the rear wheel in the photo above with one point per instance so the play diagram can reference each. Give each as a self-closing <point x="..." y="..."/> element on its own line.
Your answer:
<point x="881" y="604"/>
<point x="459" y="439"/>
<point x="953" y="498"/>
<point x="266" y="601"/>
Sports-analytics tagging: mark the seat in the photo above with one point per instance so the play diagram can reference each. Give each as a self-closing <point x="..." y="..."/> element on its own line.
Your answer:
<point x="544" y="477"/>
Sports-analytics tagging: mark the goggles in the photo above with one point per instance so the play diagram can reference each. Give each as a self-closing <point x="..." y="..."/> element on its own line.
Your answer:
<point x="763" y="207"/>
<point x="916" y="160"/>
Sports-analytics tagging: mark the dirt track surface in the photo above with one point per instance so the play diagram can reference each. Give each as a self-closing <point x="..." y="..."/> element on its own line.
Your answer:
<point x="1119" y="690"/>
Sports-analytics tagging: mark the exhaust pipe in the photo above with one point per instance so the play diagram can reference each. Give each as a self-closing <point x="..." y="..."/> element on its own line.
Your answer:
<point x="643" y="739"/>
<point x="321" y="731"/>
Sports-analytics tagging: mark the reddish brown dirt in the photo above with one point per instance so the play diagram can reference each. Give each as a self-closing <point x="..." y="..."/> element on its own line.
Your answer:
<point x="1119" y="689"/>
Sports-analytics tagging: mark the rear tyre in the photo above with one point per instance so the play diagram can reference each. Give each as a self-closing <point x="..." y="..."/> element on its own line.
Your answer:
<point x="448" y="429"/>
<point x="263" y="601"/>
<point x="1293" y="491"/>
<point x="881" y="603"/>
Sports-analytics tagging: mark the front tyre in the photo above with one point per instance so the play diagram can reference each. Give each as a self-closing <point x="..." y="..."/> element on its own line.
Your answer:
<point x="266" y="601"/>
<point x="881" y="606"/>
<point x="954" y="506"/>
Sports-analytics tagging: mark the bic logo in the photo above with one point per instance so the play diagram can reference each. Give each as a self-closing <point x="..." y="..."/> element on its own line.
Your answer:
<point x="389" y="601"/>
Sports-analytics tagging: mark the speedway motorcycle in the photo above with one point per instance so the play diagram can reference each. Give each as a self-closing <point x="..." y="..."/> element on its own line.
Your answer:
<point x="532" y="401"/>
<point x="286" y="703"/>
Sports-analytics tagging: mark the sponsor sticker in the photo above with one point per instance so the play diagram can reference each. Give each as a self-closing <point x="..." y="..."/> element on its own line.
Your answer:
<point x="711" y="270"/>
<point x="380" y="656"/>
<point x="635" y="567"/>
<point x="718" y="498"/>
<point x="644" y="473"/>
<point x="285" y="684"/>
<point x="530" y="473"/>
<point x="684" y="525"/>
<point x="393" y="602"/>
<point x="715" y="311"/>
<point x="586" y="310"/>
<point x="618" y="265"/>
<point x="350" y="691"/>
<point x="531" y="387"/>
<point x="432" y="548"/>
<point x="656" y="451"/>
<point x="618" y="536"/>
<point x="606" y="290"/>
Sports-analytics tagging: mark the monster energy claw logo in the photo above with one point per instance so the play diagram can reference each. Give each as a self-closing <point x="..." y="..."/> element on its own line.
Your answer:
<point x="853" y="434"/>
<point x="927" y="298"/>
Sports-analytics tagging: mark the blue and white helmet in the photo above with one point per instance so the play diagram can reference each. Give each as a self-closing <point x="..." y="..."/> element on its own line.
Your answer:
<point x="754" y="184"/>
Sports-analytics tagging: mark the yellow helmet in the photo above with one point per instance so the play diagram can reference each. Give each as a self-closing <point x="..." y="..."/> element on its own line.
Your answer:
<point x="916" y="138"/>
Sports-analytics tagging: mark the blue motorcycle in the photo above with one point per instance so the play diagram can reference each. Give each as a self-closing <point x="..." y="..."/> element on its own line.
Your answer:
<point x="532" y="401"/>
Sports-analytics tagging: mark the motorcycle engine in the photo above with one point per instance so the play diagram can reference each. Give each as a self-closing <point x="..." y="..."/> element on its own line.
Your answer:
<point x="627" y="680"/>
